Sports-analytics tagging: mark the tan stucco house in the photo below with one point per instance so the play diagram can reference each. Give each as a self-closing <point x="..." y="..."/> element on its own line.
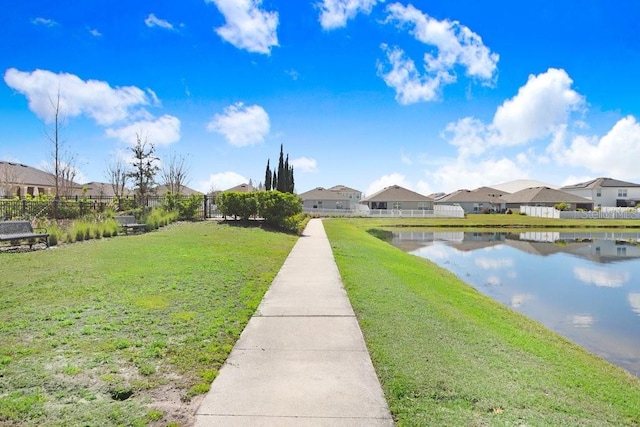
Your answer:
<point x="398" y="198"/>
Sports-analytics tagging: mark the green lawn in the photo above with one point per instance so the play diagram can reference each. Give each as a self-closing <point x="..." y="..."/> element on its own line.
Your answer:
<point x="448" y="356"/>
<point x="127" y="330"/>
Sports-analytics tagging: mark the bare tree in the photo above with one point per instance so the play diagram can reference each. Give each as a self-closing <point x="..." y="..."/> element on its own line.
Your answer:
<point x="145" y="167"/>
<point x="175" y="173"/>
<point x="9" y="177"/>
<point x="62" y="165"/>
<point x="118" y="175"/>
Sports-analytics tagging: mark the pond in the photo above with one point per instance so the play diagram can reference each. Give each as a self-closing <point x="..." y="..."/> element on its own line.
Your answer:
<point x="584" y="286"/>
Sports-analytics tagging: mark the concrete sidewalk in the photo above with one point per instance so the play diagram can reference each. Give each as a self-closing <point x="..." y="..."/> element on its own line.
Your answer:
<point x="301" y="360"/>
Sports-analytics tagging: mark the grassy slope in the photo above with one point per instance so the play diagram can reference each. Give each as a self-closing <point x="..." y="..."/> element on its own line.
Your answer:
<point x="83" y="324"/>
<point x="447" y="355"/>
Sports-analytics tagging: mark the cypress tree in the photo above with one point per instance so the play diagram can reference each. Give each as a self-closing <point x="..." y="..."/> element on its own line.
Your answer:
<point x="268" y="178"/>
<point x="281" y="185"/>
<point x="292" y="184"/>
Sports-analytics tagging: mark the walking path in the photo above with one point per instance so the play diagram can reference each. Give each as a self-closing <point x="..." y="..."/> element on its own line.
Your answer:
<point x="301" y="360"/>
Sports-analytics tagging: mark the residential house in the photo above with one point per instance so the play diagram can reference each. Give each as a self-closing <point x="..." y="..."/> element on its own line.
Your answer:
<point x="163" y="189"/>
<point x="21" y="180"/>
<point x="242" y="188"/>
<point x="97" y="190"/>
<point x="607" y="192"/>
<point x="336" y="197"/>
<point x="398" y="198"/>
<point x="480" y="200"/>
<point x="545" y="196"/>
<point x="322" y="198"/>
<point x="352" y="194"/>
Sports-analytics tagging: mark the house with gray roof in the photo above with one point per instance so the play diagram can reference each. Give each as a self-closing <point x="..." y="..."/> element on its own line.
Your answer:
<point x="480" y="200"/>
<point x="398" y="198"/>
<point x="607" y="192"/>
<point x="336" y="197"/>
<point x="21" y="180"/>
<point x="545" y="196"/>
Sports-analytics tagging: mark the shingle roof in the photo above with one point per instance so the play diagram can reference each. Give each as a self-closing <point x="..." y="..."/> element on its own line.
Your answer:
<point x="600" y="183"/>
<point x="321" y="193"/>
<point x="28" y="175"/>
<point x="244" y="188"/>
<point x="344" y="188"/>
<point x="395" y="193"/>
<point x="466" y="196"/>
<point x="544" y="195"/>
<point x="521" y="184"/>
<point x="186" y="191"/>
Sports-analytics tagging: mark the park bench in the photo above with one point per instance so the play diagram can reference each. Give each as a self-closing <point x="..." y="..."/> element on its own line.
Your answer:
<point x="17" y="231"/>
<point x="128" y="222"/>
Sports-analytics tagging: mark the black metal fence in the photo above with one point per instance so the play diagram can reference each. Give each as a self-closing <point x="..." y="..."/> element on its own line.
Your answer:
<point x="77" y="207"/>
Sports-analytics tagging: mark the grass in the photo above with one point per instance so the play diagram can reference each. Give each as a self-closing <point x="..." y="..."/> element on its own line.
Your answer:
<point x="114" y="331"/>
<point x="447" y="355"/>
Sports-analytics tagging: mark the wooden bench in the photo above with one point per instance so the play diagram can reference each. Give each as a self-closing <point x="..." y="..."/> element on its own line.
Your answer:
<point x="17" y="231"/>
<point x="128" y="222"/>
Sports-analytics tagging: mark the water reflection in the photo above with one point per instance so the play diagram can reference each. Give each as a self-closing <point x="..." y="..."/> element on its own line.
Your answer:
<point x="584" y="286"/>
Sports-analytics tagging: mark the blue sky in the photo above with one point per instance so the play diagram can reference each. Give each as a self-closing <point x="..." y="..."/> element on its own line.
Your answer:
<point x="434" y="96"/>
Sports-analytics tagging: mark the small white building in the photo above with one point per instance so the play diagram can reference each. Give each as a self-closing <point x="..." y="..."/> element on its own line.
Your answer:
<point x="607" y="192"/>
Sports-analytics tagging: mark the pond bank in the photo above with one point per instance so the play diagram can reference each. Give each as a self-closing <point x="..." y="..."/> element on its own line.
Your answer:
<point x="447" y="355"/>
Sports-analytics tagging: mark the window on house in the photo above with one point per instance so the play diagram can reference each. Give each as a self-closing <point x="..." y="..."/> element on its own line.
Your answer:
<point x="397" y="205"/>
<point x="599" y="192"/>
<point x="621" y="251"/>
<point x="622" y="192"/>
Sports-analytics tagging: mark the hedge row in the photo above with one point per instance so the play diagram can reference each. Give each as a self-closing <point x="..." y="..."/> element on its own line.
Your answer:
<point x="280" y="210"/>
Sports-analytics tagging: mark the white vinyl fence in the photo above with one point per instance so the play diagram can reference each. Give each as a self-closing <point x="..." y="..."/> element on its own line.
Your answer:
<point x="605" y="213"/>
<point x="443" y="211"/>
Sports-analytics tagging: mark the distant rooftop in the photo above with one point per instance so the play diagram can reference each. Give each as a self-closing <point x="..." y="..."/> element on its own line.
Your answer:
<point x="521" y="184"/>
<point x="600" y="183"/>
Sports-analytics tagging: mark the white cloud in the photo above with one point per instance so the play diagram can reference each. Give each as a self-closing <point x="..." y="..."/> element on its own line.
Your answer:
<point x="454" y="45"/>
<point x="494" y="264"/>
<point x="470" y="135"/>
<point x="454" y="174"/>
<point x="164" y="130"/>
<point x="94" y="32"/>
<point x="582" y="320"/>
<point x="409" y="84"/>
<point x="241" y="126"/>
<point x="248" y="27"/>
<point x="601" y="278"/>
<point x="44" y="21"/>
<point x="615" y="154"/>
<point x="634" y="301"/>
<point x="304" y="164"/>
<point x="541" y="108"/>
<point x="386" y="181"/>
<point x="94" y="98"/>
<point x="221" y="181"/>
<point x="153" y="21"/>
<point x="335" y="13"/>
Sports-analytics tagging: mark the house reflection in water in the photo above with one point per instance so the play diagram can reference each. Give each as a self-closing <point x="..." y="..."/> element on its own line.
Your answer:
<point x="580" y="285"/>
